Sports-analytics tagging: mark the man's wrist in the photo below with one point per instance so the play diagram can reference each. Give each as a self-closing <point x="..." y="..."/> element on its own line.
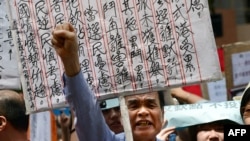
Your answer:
<point x="71" y="66"/>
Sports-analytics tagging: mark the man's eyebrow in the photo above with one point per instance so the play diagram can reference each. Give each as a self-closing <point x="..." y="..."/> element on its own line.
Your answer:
<point x="132" y="101"/>
<point x="150" y="99"/>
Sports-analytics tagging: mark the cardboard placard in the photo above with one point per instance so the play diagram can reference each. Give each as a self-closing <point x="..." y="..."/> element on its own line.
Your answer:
<point x="237" y="66"/>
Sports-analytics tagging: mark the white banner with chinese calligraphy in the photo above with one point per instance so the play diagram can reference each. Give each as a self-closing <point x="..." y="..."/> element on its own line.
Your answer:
<point x="125" y="46"/>
<point x="179" y="115"/>
<point x="9" y="75"/>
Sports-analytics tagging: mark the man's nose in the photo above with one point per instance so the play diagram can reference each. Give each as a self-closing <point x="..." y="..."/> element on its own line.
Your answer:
<point x="113" y="113"/>
<point x="143" y="111"/>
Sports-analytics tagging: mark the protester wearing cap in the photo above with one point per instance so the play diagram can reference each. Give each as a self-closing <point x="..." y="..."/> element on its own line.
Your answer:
<point x="111" y="112"/>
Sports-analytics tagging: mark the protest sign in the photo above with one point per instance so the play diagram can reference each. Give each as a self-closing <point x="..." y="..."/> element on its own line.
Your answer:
<point x="215" y="91"/>
<point x="9" y="76"/>
<point x="180" y="115"/>
<point x="125" y="46"/>
<point x="237" y="64"/>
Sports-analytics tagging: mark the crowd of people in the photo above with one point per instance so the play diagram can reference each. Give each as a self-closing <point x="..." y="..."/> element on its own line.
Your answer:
<point x="94" y="120"/>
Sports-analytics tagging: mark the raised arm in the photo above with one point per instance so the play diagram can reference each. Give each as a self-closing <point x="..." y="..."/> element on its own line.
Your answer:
<point x="186" y="96"/>
<point x="90" y="125"/>
<point x="64" y="41"/>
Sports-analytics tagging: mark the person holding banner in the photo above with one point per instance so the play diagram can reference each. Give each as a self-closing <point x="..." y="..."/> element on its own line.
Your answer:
<point x="14" y="122"/>
<point x="184" y="97"/>
<point x="145" y="112"/>
<point x="206" y="121"/>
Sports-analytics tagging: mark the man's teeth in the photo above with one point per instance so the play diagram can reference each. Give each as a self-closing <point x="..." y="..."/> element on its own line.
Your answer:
<point x="145" y="123"/>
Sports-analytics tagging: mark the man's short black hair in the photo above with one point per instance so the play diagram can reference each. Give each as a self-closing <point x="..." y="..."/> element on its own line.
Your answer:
<point x="13" y="109"/>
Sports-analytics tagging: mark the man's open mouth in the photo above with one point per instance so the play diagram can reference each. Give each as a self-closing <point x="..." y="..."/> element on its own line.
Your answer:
<point x="143" y="123"/>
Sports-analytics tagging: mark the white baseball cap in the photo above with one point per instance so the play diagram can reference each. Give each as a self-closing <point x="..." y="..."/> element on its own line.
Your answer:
<point x="109" y="103"/>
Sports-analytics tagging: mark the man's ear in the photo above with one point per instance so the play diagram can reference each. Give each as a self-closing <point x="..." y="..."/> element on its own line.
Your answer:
<point x="3" y="123"/>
